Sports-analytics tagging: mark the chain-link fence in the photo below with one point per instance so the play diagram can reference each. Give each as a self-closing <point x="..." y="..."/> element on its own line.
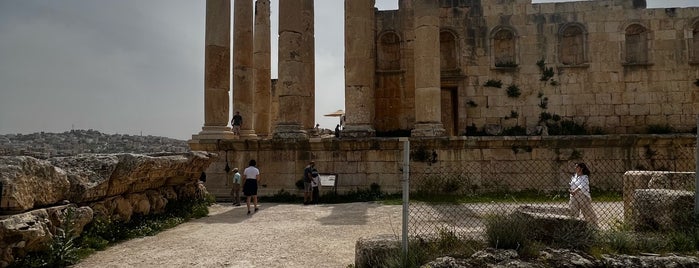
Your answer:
<point x="459" y="197"/>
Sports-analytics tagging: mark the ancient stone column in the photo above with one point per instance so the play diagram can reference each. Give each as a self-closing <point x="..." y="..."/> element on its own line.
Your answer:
<point x="216" y="71"/>
<point x="296" y="80"/>
<point x="243" y="88"/>
<point x="428" y="122"/>
<point x="262" y="69"/>
<point x="309" y="61"/>
<point x="359" y="68"/>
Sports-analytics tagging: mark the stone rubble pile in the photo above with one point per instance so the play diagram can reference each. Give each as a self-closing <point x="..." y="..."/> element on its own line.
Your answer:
<point x="36" y="194"/>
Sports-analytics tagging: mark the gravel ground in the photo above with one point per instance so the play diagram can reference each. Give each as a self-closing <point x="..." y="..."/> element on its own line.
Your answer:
<point x="289" y="235"/>
<point x="279" y="235"/>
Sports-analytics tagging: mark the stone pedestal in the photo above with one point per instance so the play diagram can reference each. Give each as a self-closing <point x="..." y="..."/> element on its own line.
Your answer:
<point x="214" y="133"/>
<point x="428" y="130"/>
<point x="289" y="131"/>
<point x="358" y="131"/>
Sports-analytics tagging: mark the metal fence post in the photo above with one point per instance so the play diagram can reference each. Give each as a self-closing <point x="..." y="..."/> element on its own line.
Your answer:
<point x="406" y="192"/>
<point x="696" y="172"/>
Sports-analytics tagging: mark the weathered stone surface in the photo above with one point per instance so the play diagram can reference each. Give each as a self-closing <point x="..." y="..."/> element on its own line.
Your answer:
<point x="95" y="177"/>
<point x="114" y="186"/>
<point x="217" y="64"/>
<point x="516" y="159"/>
<point x="644" y="179"/>
<point x="262" y="70"/>
<point x="32" y="231"/>
<point x="69" y="215"/>
<point x="549" y="257"/>
<point x="369" y="250"/>
<point x="662" y="209"/>
<point x="88" y="174"/>
<point x="25" y="231"/>
<point x="28" y="183"/>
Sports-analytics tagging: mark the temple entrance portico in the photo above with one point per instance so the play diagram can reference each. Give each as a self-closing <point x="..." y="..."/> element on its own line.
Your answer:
<point x="285" y="113"/>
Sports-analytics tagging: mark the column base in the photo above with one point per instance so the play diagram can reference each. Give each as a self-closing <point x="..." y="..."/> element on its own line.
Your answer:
<point x="428" y="130"/>
<point x="248" y="134"/>
<point x="215" y="133"/>
<point x="289" y="132"/>
<point x="357" y="131"/>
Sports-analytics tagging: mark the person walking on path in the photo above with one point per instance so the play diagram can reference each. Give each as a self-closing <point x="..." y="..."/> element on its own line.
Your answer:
<point x="580" y="198"/>
<point x="251" y="176"/>
<point x="235" y="191"/>
<point x="307" y="181"/>
<point x="236" y="122"/>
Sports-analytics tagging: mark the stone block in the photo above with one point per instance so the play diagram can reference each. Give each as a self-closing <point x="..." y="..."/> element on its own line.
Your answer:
<point x="634" y="180"/>
<point x="662" y="209"/>
<point x="28" y="182"/>
<point x="369" y="251"/>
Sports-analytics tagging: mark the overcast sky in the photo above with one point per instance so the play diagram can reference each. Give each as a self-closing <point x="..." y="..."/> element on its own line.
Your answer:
<point x="136" y="66"/>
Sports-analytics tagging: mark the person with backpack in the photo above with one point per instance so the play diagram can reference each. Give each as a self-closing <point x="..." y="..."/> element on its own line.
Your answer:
<point x="307" y="182"/>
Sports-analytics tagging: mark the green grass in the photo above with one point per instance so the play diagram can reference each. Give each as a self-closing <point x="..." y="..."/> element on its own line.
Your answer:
<point x="67" y="249"/>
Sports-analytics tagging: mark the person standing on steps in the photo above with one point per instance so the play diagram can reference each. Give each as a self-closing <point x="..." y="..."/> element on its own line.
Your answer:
<point x="251" y="176"/>
<point x="236" y="122"/>
<point x="235" y="190"/>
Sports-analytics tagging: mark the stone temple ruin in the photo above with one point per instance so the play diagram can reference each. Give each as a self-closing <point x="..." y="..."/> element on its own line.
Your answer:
<point x="439" y="70"/>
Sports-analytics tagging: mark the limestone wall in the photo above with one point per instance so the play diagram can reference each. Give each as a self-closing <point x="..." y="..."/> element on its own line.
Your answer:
<point x="512" y="163"/>
<point x="614" y="66"/>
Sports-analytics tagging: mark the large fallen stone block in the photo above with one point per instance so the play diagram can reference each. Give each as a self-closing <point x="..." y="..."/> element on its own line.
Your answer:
<point x="662" y="209"/>
<point x="89" y="175"/>
<point x="549" y="224"/>
<point x="27" y="182"/>
<point x="645" y="179"/>
<point x="34" y="230"/>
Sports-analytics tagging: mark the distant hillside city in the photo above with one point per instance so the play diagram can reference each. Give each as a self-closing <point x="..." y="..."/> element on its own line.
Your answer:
<point x="44" y="145"/>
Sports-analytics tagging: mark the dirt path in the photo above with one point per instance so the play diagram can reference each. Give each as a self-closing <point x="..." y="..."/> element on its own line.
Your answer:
<point x="279" y="235"/>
